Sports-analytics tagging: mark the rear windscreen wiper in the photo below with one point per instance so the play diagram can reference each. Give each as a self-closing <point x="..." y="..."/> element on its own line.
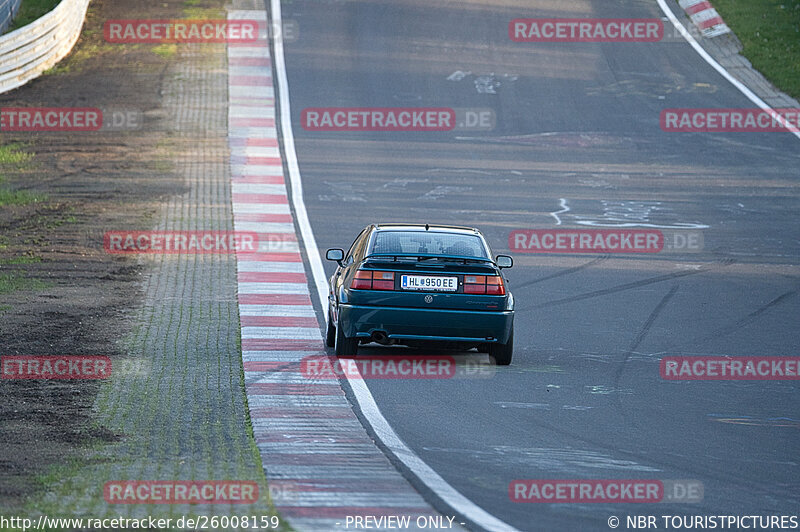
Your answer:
<point x="452" y="259"/>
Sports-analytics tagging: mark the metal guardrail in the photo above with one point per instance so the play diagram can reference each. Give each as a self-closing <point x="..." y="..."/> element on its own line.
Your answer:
<point x="8" y="8"/>
<point x="28" y="51"/>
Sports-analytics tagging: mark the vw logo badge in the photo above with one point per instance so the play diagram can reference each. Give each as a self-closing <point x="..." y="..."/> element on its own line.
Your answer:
<point x="429" y="299"/>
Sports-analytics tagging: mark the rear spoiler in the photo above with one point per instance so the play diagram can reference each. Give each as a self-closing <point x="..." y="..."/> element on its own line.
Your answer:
<point x="395" y="256"/>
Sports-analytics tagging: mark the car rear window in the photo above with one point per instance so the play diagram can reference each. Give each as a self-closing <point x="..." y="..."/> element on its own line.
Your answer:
<point x="405" y="242"/>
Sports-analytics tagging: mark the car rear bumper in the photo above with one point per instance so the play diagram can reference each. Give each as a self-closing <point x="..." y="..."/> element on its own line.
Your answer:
<point x="403" y="323"/>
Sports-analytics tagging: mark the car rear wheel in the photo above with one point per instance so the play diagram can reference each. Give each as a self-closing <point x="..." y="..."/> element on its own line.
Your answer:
<point x="502" y="353"/>
<point x="330" y="336"/>
<point x="343" y="346"/>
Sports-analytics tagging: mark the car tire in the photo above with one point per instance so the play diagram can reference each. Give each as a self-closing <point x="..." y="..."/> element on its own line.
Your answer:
<point x="502" y="353"/>
<point x="330" y="336"/>
<point x="343" y="346"/>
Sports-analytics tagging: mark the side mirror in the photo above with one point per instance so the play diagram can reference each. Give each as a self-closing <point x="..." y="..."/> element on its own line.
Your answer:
<point x="504" y="261"/>
<point x="336" y="255"/>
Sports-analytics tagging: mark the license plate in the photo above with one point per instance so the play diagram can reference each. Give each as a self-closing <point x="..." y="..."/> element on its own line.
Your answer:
<point x="427" y="282"/>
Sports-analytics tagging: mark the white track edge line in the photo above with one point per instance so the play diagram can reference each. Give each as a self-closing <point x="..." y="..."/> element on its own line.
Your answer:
<point x="309" y="242"/>
<point x="722" y="71"/>
<point x="363" y="396"/>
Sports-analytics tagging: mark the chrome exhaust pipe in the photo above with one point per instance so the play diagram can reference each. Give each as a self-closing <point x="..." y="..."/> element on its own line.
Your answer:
<point x="380" y="337"/>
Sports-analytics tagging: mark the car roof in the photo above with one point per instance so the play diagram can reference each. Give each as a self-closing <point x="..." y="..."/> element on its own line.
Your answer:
<point x="423" y="228"/>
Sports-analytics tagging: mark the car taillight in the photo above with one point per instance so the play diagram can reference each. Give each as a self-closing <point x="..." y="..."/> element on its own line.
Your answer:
<point x="484" y="284"/>
<point x="373" y="280"/>
<point x="383" y="280"/>
<point x="495" y="286"/>
<point x="474" y="284"/>
<point x="362" y="280"/>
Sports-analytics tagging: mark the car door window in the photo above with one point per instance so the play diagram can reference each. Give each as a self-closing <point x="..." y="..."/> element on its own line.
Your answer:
<point x="356" y="247"/>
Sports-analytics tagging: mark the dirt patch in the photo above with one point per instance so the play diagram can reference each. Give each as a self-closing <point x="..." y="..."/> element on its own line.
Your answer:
<point x="81" y="298"/>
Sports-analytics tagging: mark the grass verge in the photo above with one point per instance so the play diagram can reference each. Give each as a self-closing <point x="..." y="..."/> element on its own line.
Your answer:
<point x="770" y="34"/>
<point x="12" y="282"/>
<point x="18" y="197"/>
<point x="31" y="10"/>
<point x="14" y="157"/>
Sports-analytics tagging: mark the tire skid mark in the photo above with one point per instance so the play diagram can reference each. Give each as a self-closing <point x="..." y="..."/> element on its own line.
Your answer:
<point x="618" y="288"/>
<point x="561" y="273"/>
<point x="640" y="337"/>
<point x="750" y="318"/>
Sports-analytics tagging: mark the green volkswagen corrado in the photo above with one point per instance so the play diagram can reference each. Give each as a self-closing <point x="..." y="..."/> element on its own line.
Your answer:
<point x="415" y="284"/>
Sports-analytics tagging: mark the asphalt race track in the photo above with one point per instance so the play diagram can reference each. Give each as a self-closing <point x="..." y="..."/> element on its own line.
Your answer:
<point x="576" y="140"/>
